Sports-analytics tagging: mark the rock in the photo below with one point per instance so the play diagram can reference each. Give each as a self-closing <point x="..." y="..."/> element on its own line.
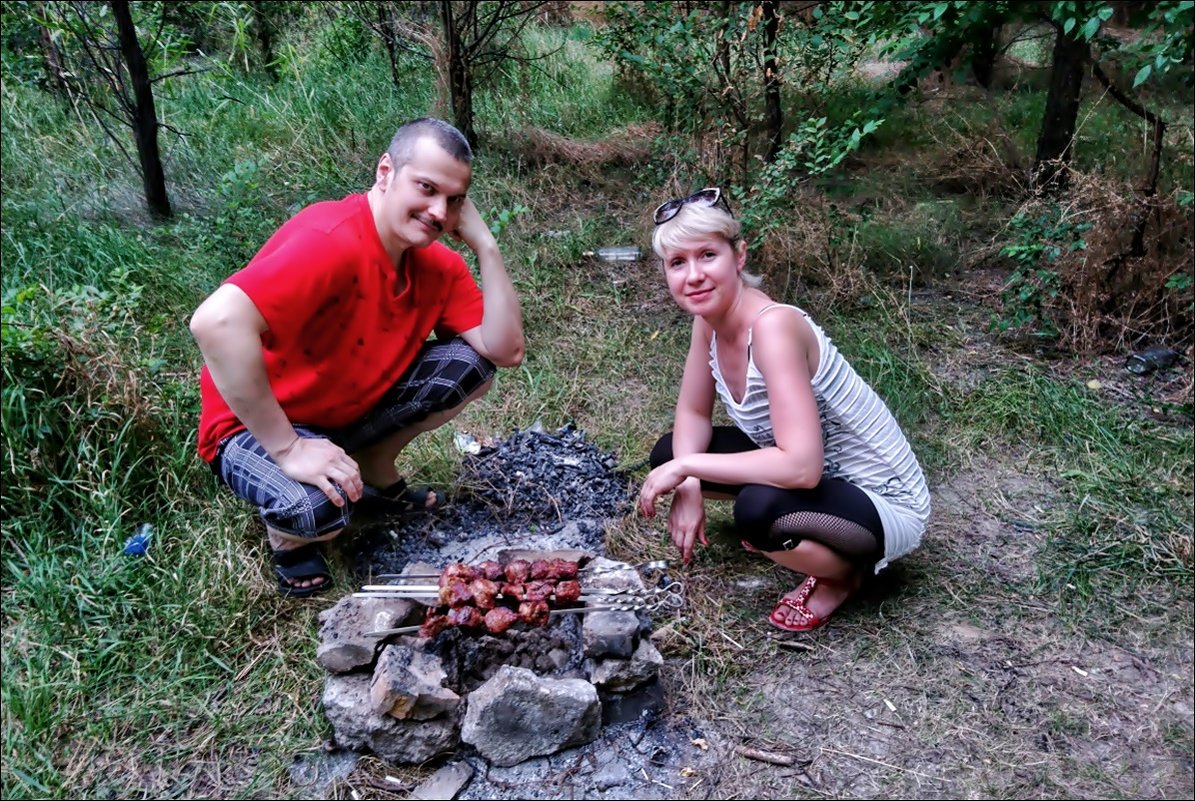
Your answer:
<point x="609" y="634"/>
<point x="317" y="774"/>
<point x="445" y="783"/>
<point x="409" y="684"/>
<point x="347" y="705"/>
<point x="343" y="646"/>
<point x="517" y="715"/>
<point x="621" y="675"/>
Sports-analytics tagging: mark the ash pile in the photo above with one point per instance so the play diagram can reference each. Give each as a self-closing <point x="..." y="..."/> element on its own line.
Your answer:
<point x="534" y="490"/>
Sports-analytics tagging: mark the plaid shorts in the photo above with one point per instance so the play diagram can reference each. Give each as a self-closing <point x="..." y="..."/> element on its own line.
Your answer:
<point x="442" y="376"/>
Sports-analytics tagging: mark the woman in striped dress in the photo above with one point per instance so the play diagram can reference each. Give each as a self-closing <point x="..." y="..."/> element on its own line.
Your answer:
<point x="823" y="480"/>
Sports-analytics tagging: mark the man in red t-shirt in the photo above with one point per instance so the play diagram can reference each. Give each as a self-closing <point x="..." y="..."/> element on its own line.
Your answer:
<point x="318" y="364"/>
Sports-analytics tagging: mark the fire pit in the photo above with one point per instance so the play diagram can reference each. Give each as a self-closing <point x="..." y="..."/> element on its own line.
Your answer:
<point x="433" y="655"/>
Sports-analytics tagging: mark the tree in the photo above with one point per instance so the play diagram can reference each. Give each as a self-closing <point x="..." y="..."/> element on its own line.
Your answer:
<point x="477" y="36"/>
<point x="472" y="40"/>
<point x="773" y="116"/>
<point x="102" y="50"/>
<point x="141" y="113"/>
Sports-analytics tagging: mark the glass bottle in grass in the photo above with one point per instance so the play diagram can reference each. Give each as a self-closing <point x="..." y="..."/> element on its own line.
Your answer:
<point x="1156" y="358"/>
<point x="627" y="253"/>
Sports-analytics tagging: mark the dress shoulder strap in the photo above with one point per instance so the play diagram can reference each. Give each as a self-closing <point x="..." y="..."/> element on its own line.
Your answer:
<point x="760" y="313"/>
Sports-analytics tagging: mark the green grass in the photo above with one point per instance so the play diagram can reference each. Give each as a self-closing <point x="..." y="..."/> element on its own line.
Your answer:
<point x="180" y="673"/>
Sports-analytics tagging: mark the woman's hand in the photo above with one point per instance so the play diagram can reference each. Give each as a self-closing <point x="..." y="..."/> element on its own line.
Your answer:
<point x="686" y="520"/>
<point x="661" y="481"/>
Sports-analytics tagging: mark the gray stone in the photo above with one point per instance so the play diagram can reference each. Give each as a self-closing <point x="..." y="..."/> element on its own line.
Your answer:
<point x="409" y="684"/>
<point x="609" y="634"/>
<point x="516" y="715"/>
<point x="343" y="644"/>
<point x="347" y="704"/>
<point x="445" y="783"/>
<point x="315" y="775"/>
<point x="621" y="675"/>
<point x="610" y="775"/>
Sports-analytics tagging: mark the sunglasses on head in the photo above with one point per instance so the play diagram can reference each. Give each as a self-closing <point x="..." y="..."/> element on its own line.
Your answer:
<point x="710" y="196"/>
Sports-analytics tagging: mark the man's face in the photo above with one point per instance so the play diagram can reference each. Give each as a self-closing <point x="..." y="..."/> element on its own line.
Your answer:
<point x="421" y="200"/>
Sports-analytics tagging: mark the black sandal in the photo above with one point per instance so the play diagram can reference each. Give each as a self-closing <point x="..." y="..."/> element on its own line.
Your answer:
<point x="399" y="499"/>
<point x="301" y="564"/>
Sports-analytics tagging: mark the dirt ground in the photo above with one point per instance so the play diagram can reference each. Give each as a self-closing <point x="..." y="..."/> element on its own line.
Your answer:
<point x="951" y="681"/>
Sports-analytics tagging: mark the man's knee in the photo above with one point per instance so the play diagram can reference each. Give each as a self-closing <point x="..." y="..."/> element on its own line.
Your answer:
<point x="454" y="378"/>
<point x="306" y="512"/>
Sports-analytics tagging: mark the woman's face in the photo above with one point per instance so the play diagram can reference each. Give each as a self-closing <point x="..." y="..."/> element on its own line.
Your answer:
<point x="703" y="274"/>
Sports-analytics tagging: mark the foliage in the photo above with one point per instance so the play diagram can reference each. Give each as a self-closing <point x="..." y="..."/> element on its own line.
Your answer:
<point x="1031" y="292"/>
<point x="704" y="62"/>
<point x="812" y="150"/>
<point x="1075" y="279"/>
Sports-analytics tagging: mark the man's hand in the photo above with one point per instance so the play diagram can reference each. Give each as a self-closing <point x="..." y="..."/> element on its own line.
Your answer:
<point x="472" y="230"/>
<point x="323" y="464"/>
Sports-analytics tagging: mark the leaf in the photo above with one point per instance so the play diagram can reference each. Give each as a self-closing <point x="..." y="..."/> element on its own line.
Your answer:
<point x="1068" y="26"/>
<point x="1142" y="75"/>
<point x="1091" y="28"/>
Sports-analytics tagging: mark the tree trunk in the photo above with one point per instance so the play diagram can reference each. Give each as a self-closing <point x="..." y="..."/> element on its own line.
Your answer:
<point x="386" y="26"/>
<point x="52" y="58"/>
<point x="723" y="48"/>
<point x="264" y="28"/>
<point x="773" y="119"/>
<point x="145" y="116"/>
<point x="460" y="81"/>
<point x="1055" y="142"/>
<point x="983" y="55"/>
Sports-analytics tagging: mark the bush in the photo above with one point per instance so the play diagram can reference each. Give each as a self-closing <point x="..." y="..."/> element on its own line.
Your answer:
<point x="1107" y="271"/>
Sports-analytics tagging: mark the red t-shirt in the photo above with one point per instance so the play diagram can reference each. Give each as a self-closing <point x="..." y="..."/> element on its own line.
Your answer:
<point x="338" y="335"/>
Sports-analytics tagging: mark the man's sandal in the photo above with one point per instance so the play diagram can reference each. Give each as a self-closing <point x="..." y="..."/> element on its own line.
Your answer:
<point x="399" y="499"/>
<point x="305" y="563"/>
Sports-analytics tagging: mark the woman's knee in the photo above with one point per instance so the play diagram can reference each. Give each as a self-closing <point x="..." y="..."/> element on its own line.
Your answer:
<point x="662" y="452"/>
<point x="754" y="514"/>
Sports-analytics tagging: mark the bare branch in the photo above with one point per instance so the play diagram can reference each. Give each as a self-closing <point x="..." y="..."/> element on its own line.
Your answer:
<point x="178" y="73"/>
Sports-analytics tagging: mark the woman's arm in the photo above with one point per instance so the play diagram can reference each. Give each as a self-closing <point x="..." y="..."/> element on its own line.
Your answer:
<point x="783" y="347"/>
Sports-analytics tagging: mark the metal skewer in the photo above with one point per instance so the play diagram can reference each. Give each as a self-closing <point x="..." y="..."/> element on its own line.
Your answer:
<point x="431" y="589"/>
<point x="578" y="611"/>
<point x="417" y="596"/>
<point x="658" y="564"/>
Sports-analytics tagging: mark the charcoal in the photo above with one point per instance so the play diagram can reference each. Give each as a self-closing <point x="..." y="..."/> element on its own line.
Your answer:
<point x="550" y="486"/>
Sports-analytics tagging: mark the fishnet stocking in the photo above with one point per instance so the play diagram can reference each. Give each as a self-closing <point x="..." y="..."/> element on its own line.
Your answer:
<point x="844" y="536"/>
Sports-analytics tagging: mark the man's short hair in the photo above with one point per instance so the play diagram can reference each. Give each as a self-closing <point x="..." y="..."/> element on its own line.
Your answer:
<point x="450" y="140"/>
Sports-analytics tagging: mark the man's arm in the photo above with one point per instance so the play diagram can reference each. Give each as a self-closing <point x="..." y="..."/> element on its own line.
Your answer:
<point x="228" y="328"/>
<point x="499" y="338"/>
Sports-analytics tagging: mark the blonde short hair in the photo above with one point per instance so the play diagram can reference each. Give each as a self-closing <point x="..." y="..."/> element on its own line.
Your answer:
<point x="694" y="221"/>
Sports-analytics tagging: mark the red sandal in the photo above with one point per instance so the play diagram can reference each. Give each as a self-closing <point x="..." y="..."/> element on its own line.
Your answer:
<point x="808" y="620"/>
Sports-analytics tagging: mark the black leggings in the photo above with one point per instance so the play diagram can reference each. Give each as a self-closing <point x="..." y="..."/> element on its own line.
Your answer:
<point x="835" y="513"/>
